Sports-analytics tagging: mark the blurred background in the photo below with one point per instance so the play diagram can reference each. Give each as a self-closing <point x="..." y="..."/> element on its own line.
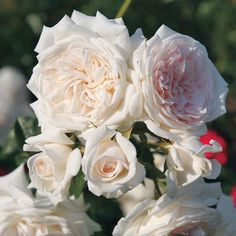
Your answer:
<point x="212" y="22"/>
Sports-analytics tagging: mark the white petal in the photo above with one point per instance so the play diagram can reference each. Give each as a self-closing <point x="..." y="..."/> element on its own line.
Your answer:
<point x="165" y="32"/>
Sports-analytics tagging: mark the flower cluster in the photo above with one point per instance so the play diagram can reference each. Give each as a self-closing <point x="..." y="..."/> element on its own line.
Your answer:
<point x="116" y="111"/>
<point x="23" y="214"/>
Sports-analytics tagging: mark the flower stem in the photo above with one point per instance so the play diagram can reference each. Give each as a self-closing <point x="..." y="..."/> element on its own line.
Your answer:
<point x="123" y="8"/>
<point x="157" y="190"/>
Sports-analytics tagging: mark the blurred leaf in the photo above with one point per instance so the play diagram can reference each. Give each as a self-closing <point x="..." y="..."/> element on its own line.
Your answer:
<point x="22" y="157"/>
<point x="26" y="127"/>
<point x="77" y="184"/>
<point x="104" y="211"/>
<point x="11" y="150"/>
<point x="9" y="146"/>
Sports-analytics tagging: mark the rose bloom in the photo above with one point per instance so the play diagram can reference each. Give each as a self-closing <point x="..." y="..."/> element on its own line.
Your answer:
<point x="110" y="163"/>
<point x="233" y="194"/>
<point x="186" y="215"/>
<point x="222" y="156"/>
<point x="80" y="79"/>
<point x="53" y="167"/>
<point x="145" y="190"/>
<point x="23" y="215"/>
<point x="181" y="87"/>
<point x="186" y="162"/>
<point x="227" y="212"/>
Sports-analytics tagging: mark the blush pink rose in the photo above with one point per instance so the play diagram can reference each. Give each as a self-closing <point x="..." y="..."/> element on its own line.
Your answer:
<point x="181" y="87"/>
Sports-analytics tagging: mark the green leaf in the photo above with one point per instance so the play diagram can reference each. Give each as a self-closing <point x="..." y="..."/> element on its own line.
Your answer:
<point x="105" y="212"/>
<point x="22" y="157"/>
<point x="11" y="150"/>
<point x="9" y="146"/>
<point x="77" y="184"/>
<point x="24" y="128"/>
<point x="152" y="172"/>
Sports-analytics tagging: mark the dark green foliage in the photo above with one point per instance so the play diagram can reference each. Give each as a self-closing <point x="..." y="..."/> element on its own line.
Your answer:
<point x="144" y="153"/>
<point x="77" y="184"/>
<point x="26" y="127"/>
<point x="104" y="211"/>
<point x="11" y="150"/>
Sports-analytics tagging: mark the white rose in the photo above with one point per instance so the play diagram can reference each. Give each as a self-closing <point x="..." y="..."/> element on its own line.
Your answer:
<point x="227" y="211"/>
<point x="186" y="162"/>
<point x="145" y="190"/>
<point x="181" y="87"/>
<point x="23" y="215"/>
<point x="51" y="170"/>
<point x="80" y="80"/>
<point x="74" y="211"/>
<point x="186" y="215"/>
<point x="110" y="164"/>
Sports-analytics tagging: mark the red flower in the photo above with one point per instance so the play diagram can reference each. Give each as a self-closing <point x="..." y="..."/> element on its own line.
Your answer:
<point x="221" y="157"/>
<point x="3" y="171"/>
<point x="233" y="194"/>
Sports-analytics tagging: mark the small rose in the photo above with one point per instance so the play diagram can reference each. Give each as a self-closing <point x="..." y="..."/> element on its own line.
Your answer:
<point x="52" y="168"/>
<point x="186" y="162"/>
<point x="110" y="163"/>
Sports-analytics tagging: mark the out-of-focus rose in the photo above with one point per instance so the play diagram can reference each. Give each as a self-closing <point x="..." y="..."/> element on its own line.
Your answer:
<point x="3" y="171"/>
<point x="51" y="170"/>
<point x="181" y="87"/>
<point x="110" y="164"/>
<point x="145" y="190"/>
<point x="22" y="215"/>
<point x="221" y="157"/>
<point x="13" y="98"/>
<point x="186" y="215"/>
<point x="186" y="163"/>
<point x="233" y="194"/>
<point x="227" y="226"/>
<point x="80" y="79"/>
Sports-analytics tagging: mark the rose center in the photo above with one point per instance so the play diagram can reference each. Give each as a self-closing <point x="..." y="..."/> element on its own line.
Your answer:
<point x="175" y="78"/>
<point x="43" y="168"/>
<point x="109" y="166"/>
<point x="85" y="80"/>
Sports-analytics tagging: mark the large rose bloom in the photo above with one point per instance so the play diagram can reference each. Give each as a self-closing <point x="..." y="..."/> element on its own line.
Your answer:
<point x="181" y="87"/>
<point x="186" y="215"/>
<point x="80" y="79"/>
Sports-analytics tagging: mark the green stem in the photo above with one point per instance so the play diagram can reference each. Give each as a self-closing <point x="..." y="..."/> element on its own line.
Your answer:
<point x="123" y="8"/>
<point x="157" y="190"/>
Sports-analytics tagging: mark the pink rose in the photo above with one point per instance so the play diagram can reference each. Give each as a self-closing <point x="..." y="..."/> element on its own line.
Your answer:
<point x="181" y="87"/>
